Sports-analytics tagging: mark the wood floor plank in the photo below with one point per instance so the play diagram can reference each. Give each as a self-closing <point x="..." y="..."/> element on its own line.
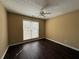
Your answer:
<point x="41" y="49"/>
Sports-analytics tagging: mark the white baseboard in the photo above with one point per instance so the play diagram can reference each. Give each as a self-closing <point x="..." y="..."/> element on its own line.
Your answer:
<point x="64" y="44"/>
<point x="5" y="53"/>
<point x="26" y="41"/>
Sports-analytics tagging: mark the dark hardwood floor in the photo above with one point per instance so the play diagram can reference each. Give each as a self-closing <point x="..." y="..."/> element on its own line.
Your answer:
<point x="41" y="49"/>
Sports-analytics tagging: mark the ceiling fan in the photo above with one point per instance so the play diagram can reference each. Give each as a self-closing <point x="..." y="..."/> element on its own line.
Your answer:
<point x="43" y="12"/>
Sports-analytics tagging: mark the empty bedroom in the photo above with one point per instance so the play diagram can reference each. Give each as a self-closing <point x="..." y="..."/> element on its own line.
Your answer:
<point x="39" y="29"/>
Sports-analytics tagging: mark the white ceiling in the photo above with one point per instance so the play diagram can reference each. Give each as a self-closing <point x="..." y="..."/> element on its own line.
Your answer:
<point x="32" y="7"/>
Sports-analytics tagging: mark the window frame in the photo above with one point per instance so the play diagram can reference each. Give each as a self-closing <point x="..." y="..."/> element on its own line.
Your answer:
<point x="31" y="29"/>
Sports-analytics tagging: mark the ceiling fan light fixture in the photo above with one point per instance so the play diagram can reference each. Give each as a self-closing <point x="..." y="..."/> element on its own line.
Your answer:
<point x="43" y="13"/>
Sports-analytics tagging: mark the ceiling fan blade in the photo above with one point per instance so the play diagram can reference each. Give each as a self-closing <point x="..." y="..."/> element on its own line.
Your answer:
<point x="47" y="13"/>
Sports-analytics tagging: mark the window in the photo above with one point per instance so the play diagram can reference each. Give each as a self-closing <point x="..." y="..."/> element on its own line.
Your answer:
<point x="30" y="29"/>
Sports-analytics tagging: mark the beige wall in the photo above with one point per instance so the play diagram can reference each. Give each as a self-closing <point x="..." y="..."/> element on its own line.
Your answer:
<point x="64" y="29"/>
<point x="3" y="31"/>
<point x="15" y="27"/>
